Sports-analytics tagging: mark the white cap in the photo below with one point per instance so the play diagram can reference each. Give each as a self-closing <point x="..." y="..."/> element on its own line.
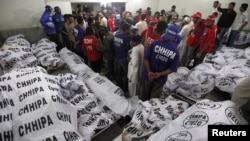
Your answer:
<point x="187" y="19"/>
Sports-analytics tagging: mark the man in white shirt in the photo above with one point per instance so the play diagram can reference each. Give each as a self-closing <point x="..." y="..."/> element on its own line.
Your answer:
<point x="104" y="20"/>
<point x="171" y="12"/>
<point x="238" y="25"/>
<point x="215" y="10"/>
<point x="141" y="25"/>
<point x="185" y="30"/>
<point x="135" y="65"/>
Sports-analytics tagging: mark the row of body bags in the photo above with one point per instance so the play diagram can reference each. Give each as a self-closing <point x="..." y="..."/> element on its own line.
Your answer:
<point x="224" y="70"/>
<point x="17" y="52"/>
<point x="35" y="104"/>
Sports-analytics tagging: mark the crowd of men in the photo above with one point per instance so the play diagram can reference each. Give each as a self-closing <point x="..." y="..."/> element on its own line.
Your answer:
<point x="142" y="50"/>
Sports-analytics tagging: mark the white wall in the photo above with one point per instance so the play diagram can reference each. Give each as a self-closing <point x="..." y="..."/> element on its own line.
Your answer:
<point x="204" y="6"/>
<point x="65" y="6"/>
<point x="134" y="5"/>
<point x="96" y="6"/>
<point x="17" y="14"/>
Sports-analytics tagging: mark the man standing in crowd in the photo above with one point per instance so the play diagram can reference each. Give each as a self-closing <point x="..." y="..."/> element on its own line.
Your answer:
<point x="152" y="34"/>
<point x="122" y="46"/>
<point x="91" y="23"/>
<point x="135" y="65"/>
<point x="160" y="59"/>
<point x="92" y="46"/>
<point x="83" y="15"/>
<point x="49" y="26"/>
<point x="148" y="15"/>
<point x="79" y="33"/>
<point x="103" y="19"/>
<point x="215" y="11"/>
<point x="225" y="22"/>
<point x="58" y="20"/>
<point x="111" y="22"/>
<point x="117" y="19"/>
<point x="136" y="17"/>
<point x="171" y="13"/>
<point x="239" y="24"/>
<point x="68" y="20"/>
<point x="172" y="21"/>
<point x="207" y="39"/>
<point x="142" y="24"/>
<point x="185" y="29"/>
<point x="71" y="29"/>
<point x="193" y="39"/>
<point x="108" y="51"/>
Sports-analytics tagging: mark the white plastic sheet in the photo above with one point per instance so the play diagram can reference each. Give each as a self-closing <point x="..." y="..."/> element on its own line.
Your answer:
<point x="151" y="116"/>
<point x="174" y="79"/>
<point x="46" y="53"/>
<point x="39" y="113"/>
<point x="193" y="123"/>
<point x="16" y="57"/>
<point x="74" y="62"/>
<point x="110" y="94"/>
<point x="16" y="40"/>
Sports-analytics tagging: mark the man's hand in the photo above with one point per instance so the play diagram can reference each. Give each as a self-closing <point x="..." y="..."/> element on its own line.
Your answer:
<point x="157" y="75"/>
<point x="151" y="76"/>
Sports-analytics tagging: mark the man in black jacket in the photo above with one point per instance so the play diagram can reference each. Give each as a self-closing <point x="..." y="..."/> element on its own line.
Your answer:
<point x="226" y="20"/>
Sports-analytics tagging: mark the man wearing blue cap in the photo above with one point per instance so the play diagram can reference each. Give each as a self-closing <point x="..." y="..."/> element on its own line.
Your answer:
<point x="58" y="20"/>
<point x="160" y="59"/>
<point x="48" y="25"/>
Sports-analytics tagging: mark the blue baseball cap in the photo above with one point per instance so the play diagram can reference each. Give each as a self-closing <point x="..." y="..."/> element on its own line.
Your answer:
<point x="48" y="7"/>
<point x="56" y="8"/>
<point x="172" y="32"/>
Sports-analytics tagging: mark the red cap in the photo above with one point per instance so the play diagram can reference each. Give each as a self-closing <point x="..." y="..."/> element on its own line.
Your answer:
<point x="196" y="15"/>
<point x="210" y="18"/>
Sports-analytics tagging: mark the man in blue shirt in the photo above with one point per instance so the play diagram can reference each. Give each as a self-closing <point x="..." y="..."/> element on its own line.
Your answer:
<point x="117" y="20"/>
<point x="58" y="20"/>
<point x="160" y="59"/>
<point x="122" y="46"/>
<point x="48" y="25"/>
<point x="79" y="32"/>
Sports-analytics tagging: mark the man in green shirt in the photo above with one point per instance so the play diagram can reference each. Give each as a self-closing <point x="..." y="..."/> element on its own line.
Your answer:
<point x="108" y="51"/>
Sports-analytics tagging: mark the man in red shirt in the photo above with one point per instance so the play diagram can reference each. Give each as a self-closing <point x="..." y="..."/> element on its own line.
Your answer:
<point x="111" y="22"/>
<point x="193" y="39"/>
<point x="149" y="30"/>
<point x="207" y="39"/>
<point x="91" y="45"/>
<point x="150" y="36"/>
